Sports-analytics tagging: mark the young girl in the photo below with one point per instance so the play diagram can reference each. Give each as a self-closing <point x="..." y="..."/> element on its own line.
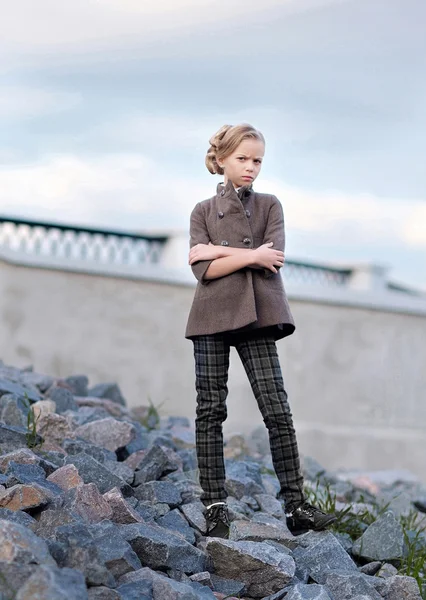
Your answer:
<point x="237" y="249"/>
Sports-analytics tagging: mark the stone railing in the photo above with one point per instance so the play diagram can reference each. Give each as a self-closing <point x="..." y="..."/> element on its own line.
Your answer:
<point x="55" y="240"/>
<point x="116" y="251"/>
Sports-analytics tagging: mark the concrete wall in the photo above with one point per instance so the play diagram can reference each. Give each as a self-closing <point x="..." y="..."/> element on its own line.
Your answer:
<point x="354" y="370"/>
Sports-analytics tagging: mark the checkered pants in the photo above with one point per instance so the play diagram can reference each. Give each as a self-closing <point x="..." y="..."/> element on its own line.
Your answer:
<point x="261" y="363"/>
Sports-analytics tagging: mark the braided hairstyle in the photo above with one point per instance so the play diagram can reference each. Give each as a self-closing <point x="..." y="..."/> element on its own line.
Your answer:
<point x="225" y="141"/>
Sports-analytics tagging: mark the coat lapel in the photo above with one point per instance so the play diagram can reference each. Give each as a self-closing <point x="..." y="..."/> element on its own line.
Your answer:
<point x="231" y="202"/>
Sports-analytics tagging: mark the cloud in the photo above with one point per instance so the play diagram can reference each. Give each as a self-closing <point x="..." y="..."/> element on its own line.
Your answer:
<point x="347" y="219"/>
<point x="42" y="27"/>
<point x="28" y="102"/>
<point x="126" y="191"/>
<point x="135" y="191"/>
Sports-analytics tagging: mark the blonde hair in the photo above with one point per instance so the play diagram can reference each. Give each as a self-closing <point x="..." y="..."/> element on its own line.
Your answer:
<point x="225" y="141"/>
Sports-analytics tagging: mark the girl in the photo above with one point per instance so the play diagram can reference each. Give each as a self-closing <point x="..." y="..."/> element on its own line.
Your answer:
<point x="237" y="248"/>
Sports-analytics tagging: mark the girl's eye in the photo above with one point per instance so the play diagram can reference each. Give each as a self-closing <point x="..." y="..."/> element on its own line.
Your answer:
<point x="241" y="158"/>
<point x="258" y="161"/>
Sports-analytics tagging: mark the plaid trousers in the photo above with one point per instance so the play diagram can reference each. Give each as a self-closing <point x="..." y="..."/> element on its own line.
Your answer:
<point x="261" y="363"/>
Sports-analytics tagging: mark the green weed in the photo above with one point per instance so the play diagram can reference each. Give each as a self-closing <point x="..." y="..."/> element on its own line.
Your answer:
<point x="32" y="437"/>
<point x="354" y="523"/>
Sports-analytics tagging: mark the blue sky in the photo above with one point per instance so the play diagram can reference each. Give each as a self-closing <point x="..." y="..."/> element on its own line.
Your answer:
<point x="106" y="109"/>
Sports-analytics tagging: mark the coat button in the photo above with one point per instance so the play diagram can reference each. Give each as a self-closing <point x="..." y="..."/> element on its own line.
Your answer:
<point x="247" y="213"/>
<point x="247" y="241"/>
<point x="220" y="215"/>
<point x="224" y="243"/>
<point x="222" y="193"/>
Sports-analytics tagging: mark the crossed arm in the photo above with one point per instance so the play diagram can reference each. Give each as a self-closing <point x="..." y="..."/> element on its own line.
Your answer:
<point x="211" y="262"/>
<point x="226" y="260"/>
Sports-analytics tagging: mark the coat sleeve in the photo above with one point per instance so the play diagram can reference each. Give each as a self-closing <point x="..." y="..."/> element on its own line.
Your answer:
<point x="199" y="235"/>
<point x="274" y="231"/>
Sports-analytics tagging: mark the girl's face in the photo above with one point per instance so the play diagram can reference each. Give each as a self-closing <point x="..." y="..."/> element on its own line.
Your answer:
<point x="244" y="164"/>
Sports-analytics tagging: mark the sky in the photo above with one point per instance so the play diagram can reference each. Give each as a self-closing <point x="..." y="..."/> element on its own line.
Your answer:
<point x="106" y="109"/>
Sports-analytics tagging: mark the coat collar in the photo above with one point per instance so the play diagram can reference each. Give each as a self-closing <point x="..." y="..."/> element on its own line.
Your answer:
<point x="228" y="190"/>
<point x="228" y="201"/>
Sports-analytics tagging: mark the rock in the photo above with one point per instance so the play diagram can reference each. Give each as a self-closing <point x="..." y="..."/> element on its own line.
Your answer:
<point x="149" y="512"/>
<point x="175" y="521"/>
<point x="258" y="441"/>
<point x="142" y="439"/>
<point x="63" y="399"/>
<point x="371" y="568"/>
<point x="258" y="565"/>
<point x="103" y="593"/>
<point x="91" y="470"/>
<point x="158" y="548"/>
<point x="236" y="446"/>
<point x="259" y="532"/>
<point x="227" y="586"/>
<point x="37" y="380"/>
<point x="194" y="514"/>
<point x="189" y="459"/>
<point x="24" y="497"/>
<point x="397" y="501"/>
<point x="49" y="520"/>
<point x="182" y="437"/>
<point x="155" y="462"/>
<point x="322" y="554"/>
<point x="159" y="491"/>
<point x="387" y="570"/>
<point x="269" y="504"/>
<point x="86" y="501"/>
<point x="121" y="470"/>
<point x="42" y="408"/>
<point x="172" y="421"/>
<point x="243" y="479"/>
<point x="21" y="473"/>
<point x="13" y="410"/>
<point x="21" y="391"/>
<point x="16" y="516"/>
<point x="420" y="504"/>
<point x="50" y="583"/>
<point x="78" y="384"/>
<point x="122" y="512"/>
<point x="77" y="446"/>
<point x="117" y="555"/>
<point x="135" y="458"/>
<point x="19" y="544"/>
<point x="78" y="549"/>
<point x="107" y="433"/>
<point x="66" y="477"/>
<point x="111" y="391"/>
<point x="251" y="503"/>
<point x="302" y="591"/>
<point x="204" y="578"/>
<point x="402" y="588"/>
<point x="347" y="585"/>
<point x="382" y="540"/>
<point x="113" y="409"/>
<point x="345" y="540"/>
<point x="270" y="484"/>
<point x="138" y="590"/>
<point x="25" y="456"/>
<point x="14" y="438"/>
<point x="54" y="428"/>
<point x="89" y="414"/>
<point x="164" y="588"/>
<point x="190" y="491"/>
<point x="239" y="509"/>
<point x="13" y="576"/>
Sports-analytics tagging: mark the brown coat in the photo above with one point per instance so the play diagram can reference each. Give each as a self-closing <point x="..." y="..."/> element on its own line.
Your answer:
<point x="248" y="298"/>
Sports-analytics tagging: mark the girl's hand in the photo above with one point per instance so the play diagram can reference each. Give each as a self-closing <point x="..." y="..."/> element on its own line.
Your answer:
<point x="203" y="252"/>
<point x="265" y="256"/>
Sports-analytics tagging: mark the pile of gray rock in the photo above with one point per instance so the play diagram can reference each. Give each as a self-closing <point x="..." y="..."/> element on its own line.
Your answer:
<point x="102" y="501"/>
